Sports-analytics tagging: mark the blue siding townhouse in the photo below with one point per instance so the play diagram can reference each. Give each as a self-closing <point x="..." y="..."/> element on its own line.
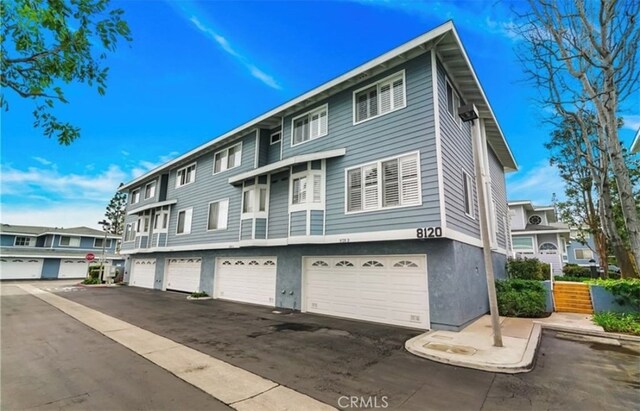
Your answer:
<point x="356" y="199"/>
<point x="29" y="252"/>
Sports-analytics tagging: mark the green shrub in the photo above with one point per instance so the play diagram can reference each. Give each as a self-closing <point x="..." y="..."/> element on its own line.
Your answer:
<point x="91" y="280"/>
<point x="618" y="322"/>
<point x="521" y="298"/>
<point x="572" y="279"/>
<point x="199" y="294"/>
<point x="625" y="291"/>
<point x="528" y="269"/>
<point x="574" y="270"/>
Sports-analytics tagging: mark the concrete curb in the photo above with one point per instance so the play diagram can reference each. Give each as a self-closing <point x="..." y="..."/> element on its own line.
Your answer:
<point x="524" y="365"/>
<point x="593" y="333"/>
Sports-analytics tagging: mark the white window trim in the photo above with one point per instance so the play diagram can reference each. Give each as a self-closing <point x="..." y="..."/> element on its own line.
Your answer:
<point x="99" y="246"/>
<point x="140" y="223"/>
<point x="583" y="259"/>
<point x="70" y="238"/>
<point x="124" y="237"/>
<point x="318" y="109"/>
<point x="155" y="186"/>
<point x="185" y="221"/>
<point x="239" y="144"/>
<point x="256" y="201"/>
<point x="309" y="173"/>
<point x="470" y="184"/>
<point x="377" y="83"/>
<point x="133" y="196"/>
<point x="157" y="216"/>
<point x="271" y="142"/>
<point x="456" y="113"/>
<point x="524" y="250"/>
<point x="31" y="241"/>
<point x="226" y="227"/>
<point x="379" y="165"/>
<point x="195" y="165"/>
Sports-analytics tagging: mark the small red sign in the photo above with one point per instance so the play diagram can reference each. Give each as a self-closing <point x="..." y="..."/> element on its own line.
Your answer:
<point x="90" y="256"/>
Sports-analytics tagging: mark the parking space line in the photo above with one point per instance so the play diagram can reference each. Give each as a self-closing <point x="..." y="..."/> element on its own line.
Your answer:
<point x="232" y="385"/>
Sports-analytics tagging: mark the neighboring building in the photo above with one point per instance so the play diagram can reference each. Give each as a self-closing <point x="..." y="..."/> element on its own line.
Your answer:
<point x="356" y="199"/>
<point x="28" y="252"/>
<point x="536" y="233"/>
<point x="635" y="146"/>
<point x="581" y="253"/>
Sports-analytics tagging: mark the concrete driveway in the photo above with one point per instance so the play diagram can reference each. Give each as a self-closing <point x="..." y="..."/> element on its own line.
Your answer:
<point x="335" y="360"/>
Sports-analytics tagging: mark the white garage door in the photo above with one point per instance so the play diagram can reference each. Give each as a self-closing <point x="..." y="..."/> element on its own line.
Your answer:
<point x="73" y="268"/>
<point x="248" y="280"/>
<point x="385" y="289"/>
<point x="143" y="272"/>
<point x="20" y="268"/>
<point x="183" y="274"/>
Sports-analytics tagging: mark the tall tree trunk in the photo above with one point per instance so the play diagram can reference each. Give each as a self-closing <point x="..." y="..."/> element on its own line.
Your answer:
<point x="595" y="227"/>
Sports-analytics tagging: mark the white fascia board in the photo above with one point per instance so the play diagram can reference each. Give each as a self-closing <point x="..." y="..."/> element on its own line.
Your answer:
<point x="76" y="256"/>
<point x="559" y="231"/>
<point x="113" y="236"/>
<point x="288" y="162"/>
<point x="416" y="42"/>
<point x="150" y="206"/>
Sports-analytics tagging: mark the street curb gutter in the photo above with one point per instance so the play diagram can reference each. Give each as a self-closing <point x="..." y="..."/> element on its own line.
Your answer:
<point x="593" y="333"/>
<point x="524" y="365"/>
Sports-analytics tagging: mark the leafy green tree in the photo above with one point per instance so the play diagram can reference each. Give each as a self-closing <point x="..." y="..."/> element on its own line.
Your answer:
<point x="116" y="212"/>
<point x="47" y="44"/>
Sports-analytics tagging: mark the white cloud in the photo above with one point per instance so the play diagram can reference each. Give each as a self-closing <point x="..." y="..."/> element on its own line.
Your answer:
<point x="42" y="161"/>
<point x="632" y="122"/>
<point x="79" y="214"/>
<point x="537" y="184"/>
<point x="226" y="46"/>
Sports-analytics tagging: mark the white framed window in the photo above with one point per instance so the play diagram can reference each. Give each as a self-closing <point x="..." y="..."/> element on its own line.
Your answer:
<point x="307" y="189"/>
<point x="522" y="244"/>
<point x="129" y="233"/>
<point x="143" y="224"/>
<point x="385" y="96"/>
<point x="389" y="183"/>
<point x="275" y="137"/>
<point x="150" y="190"/>
<point x="255" y="197"/>
<point x="467" y="192"/>
<point x="135" y="196"/>
<point x="66" y="241"/>
<point x="583" y="254"/>
<point x="97" y="243"/>
<point x="218" y="215"/>
<point x="186" y="175"/>
<point x="184" y="221"/>
<point x="161" y="221"/>
<point x="453" y="102"/>
<point x="228" y="158"/>
<point x="24" y="241"/>
<point x="310" y="125"/>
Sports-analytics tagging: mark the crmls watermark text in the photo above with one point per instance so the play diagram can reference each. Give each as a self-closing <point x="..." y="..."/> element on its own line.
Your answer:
<point x="353" y="401"/>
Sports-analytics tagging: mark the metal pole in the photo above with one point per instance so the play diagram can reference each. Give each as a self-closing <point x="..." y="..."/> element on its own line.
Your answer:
<point x="484" y="231"/>
<point x="105" y="226"/>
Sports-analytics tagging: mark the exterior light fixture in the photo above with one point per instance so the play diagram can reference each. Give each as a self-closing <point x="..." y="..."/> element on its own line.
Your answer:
<point x="468" y="112"/>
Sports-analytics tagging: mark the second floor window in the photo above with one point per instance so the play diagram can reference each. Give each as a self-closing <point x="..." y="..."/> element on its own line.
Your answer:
<point x="383" y="97"/>
<point x="161" y="221"/>
<point x="98" y="242"/>
<point x="150" y="190"/>
<point x="228" y="158"/>
<point x="70" y="241"/>
<point x="184" y="221"/>
<point x="186" y="175"/>
<point x="129" y="233"/>
<point x="310" y="125"/>
<point x="218" y="215"/>
<point x="467" y="192"/>
<point x="389" y="183"/>
<point x="135" y="196"/>
<point x="453" y="103"/>
<point x="23" y="241"/>
<point x="254" y="198"/>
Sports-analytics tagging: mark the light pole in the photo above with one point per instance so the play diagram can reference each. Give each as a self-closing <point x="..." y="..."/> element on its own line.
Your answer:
<point x="105" y="226"/>
<point x="467" y="113"/>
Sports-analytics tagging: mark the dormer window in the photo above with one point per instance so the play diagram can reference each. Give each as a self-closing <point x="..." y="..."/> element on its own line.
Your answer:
<point x="535" y="220"/>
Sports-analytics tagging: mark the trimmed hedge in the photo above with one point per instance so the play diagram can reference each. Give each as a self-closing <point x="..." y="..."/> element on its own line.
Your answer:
<point x="528" y="269"/>
<point x="521" y="298"/>
<point x="574" y="270"/>
<point x="626" y="291"/>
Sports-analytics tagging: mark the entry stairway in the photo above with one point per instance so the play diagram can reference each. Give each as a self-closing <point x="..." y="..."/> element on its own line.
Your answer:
<point x="572" y="297"/>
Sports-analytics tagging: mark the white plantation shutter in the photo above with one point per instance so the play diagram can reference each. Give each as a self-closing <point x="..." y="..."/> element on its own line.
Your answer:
<point x="299" y="195"/>
<point x="409" y="180"/>
<point x="213" y="216"/>
<point x="314" y="126"/>
<point x="187" y="221"/>
<point x="354" y="202"/>
<point x="362" y="106"/>
<point x="223" y="214"/>
<point x="370" y="187"/>
<point x="390" y="184"/>
<point x="324" y="123"/>
<point x="385" y="98"/>
<point x="398" y="93"/>
<point x="317" y="188"/>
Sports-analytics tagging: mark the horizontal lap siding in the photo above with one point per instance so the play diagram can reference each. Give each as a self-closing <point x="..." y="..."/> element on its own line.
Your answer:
<point x="457" y="156"/>
<point x="317" y="222"/>
<point x="142" y="201"/>
<point x="279" y="206"/>
<point x="207" y="188"/>
<point x="247" y="229"/>
<point x="402" y="131"/>
<point x="261" y="228"/>
<point x="299" y="223"/>
<point x="273" y="154"/>
<point x="499" y="191"/>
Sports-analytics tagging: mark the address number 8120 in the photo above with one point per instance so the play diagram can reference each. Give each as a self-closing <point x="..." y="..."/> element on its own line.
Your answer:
<point x="429" y="232"/>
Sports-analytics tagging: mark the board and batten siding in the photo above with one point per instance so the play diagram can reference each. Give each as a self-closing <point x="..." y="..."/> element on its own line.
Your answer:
<point x="499" y="192"/>
<point x="457" y="157"/>
<point x="209" y="187"/>
<point x="406" y="130"/>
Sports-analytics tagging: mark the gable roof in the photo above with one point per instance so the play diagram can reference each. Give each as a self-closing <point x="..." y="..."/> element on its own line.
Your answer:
<point x="454" y="58"/>
<point x="37" y="231"/>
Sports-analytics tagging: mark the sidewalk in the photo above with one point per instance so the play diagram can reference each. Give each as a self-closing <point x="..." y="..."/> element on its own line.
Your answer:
<point x="473" y="346"/>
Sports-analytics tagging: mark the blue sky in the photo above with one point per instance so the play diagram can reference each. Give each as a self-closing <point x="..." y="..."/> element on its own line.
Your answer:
<point x="198" y="69"/>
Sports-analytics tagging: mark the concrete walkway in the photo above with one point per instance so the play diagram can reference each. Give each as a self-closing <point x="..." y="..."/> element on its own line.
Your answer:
<point x="234" y="386"/>
<point x="473" y="346"/>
